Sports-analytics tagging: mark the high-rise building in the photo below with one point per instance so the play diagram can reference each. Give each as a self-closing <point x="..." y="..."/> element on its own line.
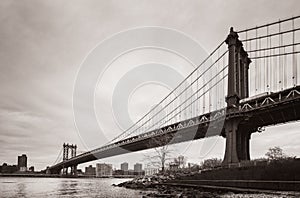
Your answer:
<point x="22" y="163"/>
<point x="138" y="168"/>
<point x="151" y="171"/>
<point x="103" y="170"/>
<point x="124" y="166"/>
<point x="90" y="171"/>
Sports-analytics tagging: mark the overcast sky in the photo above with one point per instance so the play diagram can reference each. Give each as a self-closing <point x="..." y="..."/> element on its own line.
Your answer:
<point x="43" y="44"/>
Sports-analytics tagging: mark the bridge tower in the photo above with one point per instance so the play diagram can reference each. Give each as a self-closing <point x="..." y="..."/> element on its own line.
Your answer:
<point x="237" y="139"/>
<point x="73" y="154"/>
<point x="67" y="150"/>
<point x="65" y="157"/>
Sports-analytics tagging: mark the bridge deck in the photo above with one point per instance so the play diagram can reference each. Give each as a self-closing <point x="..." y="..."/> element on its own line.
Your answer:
<point x="269" y="109"/>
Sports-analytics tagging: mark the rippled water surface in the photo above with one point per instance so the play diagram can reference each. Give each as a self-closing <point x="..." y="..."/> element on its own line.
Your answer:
<point x="17" y="187"/>
<point x="63" y="187"/>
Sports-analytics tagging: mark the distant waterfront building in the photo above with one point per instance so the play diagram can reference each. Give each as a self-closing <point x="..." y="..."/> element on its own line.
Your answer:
<point x="118" y="172"/>
<point x="79" y="172"/>
<point x="8" y="168"/>
<point x="90" y="171"/>
<point x="151" y="171"/>
<point x="22" y="163"/>
<point x="138" y="169"/>
<point x="124" y="166"/>
<point x="31" y="169"/>
<point x="130" y="172"/>
<point x="103" y="170"/>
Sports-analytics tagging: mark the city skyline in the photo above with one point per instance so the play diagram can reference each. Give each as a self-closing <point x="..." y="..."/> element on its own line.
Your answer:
<point x="44" y="44"/>
<point x="21" y="164"/>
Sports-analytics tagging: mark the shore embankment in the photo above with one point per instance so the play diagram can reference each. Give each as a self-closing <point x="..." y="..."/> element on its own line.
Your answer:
<point x="163" y="186"/>
<point x="270" y="178"/>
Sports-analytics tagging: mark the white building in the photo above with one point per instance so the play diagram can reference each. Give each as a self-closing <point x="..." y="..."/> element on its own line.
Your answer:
<point x="151" y="171"/>
<point x="103" y="170"/>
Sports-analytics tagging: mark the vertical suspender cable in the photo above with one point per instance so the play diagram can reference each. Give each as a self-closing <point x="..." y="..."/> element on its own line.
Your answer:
<point x="167" y="110"/>
<point x="267" y="60"/>
<point x="256" y="69"/>
<point x="279" y="57"/>
<point x="271" y="66"/>
<point x="294" y="61"/>
<point x="210" y="90"/>
<point x="224" y="80"/>
<point x="171" y="112"/>
<point x="185" y="104"/>
<point x="179" y="102"/>
<point x="193" y="106"/>
<point x="204" y="93"/>
<point x="174" y="105"/>
<point x="191" y="92"/>
<point x="260" y="68"/>
<point x="198" y="101"/>
<point x="217" y="87"/>
<point x="246" y="41"/>
<point x="283" y="63"/>
<point x="266" y="63"/>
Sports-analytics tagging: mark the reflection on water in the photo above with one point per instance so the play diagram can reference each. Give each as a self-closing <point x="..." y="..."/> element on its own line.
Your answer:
<point x="68" y="187"/>
<point x="21" y="190"/>
<point x="63" y="187"/>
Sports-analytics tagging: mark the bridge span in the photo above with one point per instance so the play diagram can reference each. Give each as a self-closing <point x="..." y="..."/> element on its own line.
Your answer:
<point x="271" y="97"/>
<point x="267" y="110"/>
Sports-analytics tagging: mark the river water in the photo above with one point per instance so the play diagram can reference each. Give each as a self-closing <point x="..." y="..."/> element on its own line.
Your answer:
<point x="16" y="187"/>
<point x="25" y="187"/>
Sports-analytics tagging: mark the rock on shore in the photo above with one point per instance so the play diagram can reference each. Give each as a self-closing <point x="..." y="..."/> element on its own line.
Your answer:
<point x="158" y="189"/>
<point x="145" y="181"/>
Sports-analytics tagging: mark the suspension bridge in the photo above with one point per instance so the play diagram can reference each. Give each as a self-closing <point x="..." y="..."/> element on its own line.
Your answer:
<point x="251" y="80"/>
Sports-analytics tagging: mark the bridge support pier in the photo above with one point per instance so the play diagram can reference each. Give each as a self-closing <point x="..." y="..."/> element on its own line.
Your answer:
<point x="237" y="138"/>
<point x="65" y="171"/>
<point x="237" y="143"/>
<point x="74" y="170"/>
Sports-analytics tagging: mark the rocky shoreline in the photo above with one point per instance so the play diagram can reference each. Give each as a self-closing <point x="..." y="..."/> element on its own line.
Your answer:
<point x="156" y="187"/>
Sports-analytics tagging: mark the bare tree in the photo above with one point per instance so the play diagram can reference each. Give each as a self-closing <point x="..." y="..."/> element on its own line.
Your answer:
<point x="162" y="152"/>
